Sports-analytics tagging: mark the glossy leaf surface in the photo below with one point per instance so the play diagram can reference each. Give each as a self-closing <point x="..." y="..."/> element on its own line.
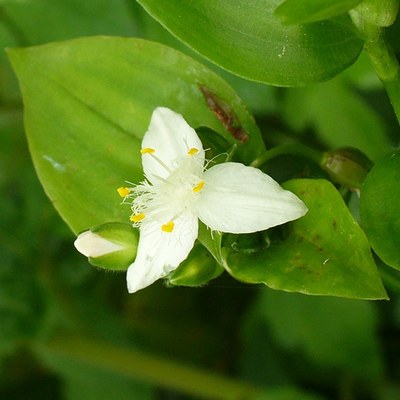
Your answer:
<point x="325" y="252"/>
<point x="87" y="105"/>
<point x="248" y="39"/>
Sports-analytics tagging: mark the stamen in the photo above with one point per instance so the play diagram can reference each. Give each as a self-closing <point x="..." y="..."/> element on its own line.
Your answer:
<point x="192" y="151"/>
<point x="147" y="150"/>
<point x="151" y="151"/>
<point x="168" y="227"/>
<point x="198" y="187"/>
<point x="123" y="191"/>
<point x="137" y="217"/>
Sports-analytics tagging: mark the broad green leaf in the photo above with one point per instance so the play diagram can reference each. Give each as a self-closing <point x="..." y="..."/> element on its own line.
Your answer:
<point x="306" y="11"/>
<point x="259" y="98"/>
<point x="340" y="117"/>
<point x="88" y="103"/>
<point x="250" y="41"/>
<point x="324" y="253"/>
<point x="380" y="208"/>
<point x="329" y="332"/>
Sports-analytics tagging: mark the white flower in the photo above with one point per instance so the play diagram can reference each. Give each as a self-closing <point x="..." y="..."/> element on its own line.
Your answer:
<point x="178" y="191"/>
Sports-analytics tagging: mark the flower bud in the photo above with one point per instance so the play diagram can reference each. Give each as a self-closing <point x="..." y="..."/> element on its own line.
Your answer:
<point x="347" y="166"/>
<point x="111" y="246"/>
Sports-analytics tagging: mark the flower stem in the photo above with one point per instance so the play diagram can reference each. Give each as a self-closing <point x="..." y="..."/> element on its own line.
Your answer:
<point x="294" y="149"/>
<point x="371" y="28"/>
<point x="160" y="372"/>
<point x="386" y="66"/>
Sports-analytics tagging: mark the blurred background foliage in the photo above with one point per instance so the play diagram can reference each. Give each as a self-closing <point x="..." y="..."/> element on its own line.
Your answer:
<point x="291" y="346"/>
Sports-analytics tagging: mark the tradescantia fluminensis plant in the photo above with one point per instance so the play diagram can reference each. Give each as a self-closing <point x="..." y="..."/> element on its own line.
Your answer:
<point x="90" y="101"/>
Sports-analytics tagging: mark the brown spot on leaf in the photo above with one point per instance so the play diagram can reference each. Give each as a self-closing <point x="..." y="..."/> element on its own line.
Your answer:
<point x="225" y="114"/>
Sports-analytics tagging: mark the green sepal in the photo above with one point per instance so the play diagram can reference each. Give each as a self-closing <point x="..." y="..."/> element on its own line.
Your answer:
<point x="197" y="270"/>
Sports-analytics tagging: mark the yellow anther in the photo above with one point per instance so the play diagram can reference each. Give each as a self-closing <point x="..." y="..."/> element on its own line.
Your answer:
<point x="198" y="187"/>
<point x="147" y="150"/>
<point x="137" y="217"/>
<point x="192" y="151"/>
<point x="123" y="191"/>
<point x="168" y="227"/>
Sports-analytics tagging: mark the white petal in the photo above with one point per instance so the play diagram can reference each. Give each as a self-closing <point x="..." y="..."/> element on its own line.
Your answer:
<point x="160" y="252"/>
<point x="171" y="137"/>
<point x="240" y="199"/>
<point x="92" y="245"/>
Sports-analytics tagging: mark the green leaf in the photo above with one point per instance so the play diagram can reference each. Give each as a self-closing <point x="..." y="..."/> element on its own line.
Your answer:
<point x="330" y="332"/>
<point x="88" y="103"/>
<point x="380" y="208"/>
<point x="325" y="252"/>
<point x="305" y="11"/>
<point x="250" y="41"/>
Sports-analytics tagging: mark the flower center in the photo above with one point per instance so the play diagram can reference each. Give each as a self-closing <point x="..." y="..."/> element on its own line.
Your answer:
<point x="165" y="200"/>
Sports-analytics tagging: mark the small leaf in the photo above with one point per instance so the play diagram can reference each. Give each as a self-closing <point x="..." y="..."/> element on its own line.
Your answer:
<point x="325" y="252"/>
<point x="250" y="41"/>
<point x="306" y="11"/>
<point x="88" y="103"/>
<point x="380" y="208"/>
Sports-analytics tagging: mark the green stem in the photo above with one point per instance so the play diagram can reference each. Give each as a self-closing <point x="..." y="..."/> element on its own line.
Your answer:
<point x="134" y="364"/>
<point x="386" y="66"/>
<point x="294" y="149"/>
<point x="378" y="49"/>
